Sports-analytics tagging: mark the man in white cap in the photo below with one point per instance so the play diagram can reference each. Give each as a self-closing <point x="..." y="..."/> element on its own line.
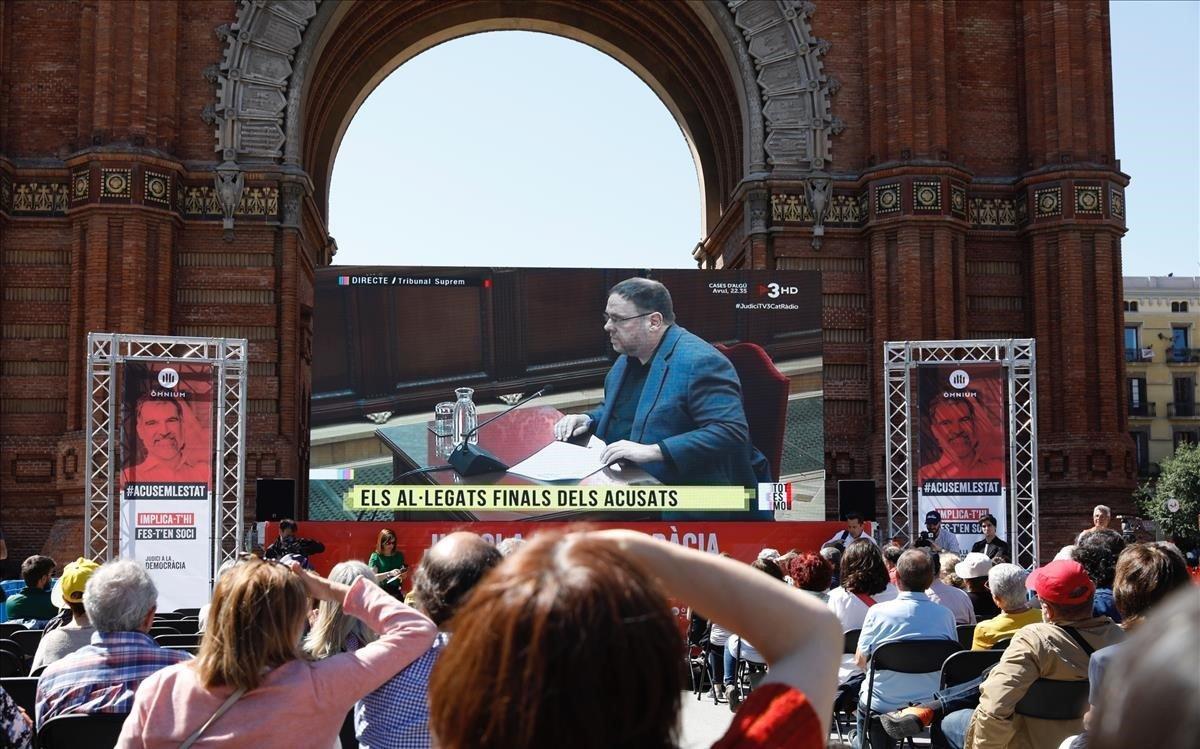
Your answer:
<point x="67" y="594"/>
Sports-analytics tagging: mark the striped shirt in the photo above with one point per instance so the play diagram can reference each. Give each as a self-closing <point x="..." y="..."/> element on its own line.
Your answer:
<point x="101" y="677"/>
<point x="396" y="716"/>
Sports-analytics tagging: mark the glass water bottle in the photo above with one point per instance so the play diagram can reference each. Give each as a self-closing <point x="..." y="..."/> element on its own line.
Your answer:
<point x="465" y="417"/>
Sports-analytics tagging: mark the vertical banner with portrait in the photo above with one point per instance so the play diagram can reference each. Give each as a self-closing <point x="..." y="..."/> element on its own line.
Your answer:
<point x="963" y="447"/>
<point x="166" y="481"/>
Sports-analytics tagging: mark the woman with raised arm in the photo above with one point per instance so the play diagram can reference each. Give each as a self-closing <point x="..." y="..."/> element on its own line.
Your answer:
<point x="251" y="685"/>
<point x="572" y="643"/>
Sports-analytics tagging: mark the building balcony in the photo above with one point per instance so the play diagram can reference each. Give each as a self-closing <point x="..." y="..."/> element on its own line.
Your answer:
<point x="1139" y="354"/>
<point x="1182" y="410"/>
<point x="1183" y="356"/>
<point x="1143" y="410"/>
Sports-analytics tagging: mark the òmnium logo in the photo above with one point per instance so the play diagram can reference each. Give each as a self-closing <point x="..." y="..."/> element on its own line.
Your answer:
<point x="168" y="378"/>
<point x="959" y="379"/>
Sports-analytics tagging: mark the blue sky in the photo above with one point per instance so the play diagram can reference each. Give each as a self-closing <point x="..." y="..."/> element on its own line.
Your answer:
<point x="456" y="158"/>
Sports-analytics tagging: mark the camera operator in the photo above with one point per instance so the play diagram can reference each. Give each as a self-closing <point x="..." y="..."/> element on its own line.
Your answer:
<point x="940" y="538"/>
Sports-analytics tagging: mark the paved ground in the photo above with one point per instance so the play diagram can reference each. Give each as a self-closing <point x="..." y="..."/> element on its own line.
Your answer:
<point x="703" y="722"/>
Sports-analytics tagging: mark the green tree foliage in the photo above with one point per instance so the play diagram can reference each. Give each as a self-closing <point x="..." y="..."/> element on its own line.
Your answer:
<point x="1174" y="501"/>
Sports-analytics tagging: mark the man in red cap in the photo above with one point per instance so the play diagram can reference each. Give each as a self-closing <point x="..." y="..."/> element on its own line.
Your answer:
<point x="1057" y="649"/>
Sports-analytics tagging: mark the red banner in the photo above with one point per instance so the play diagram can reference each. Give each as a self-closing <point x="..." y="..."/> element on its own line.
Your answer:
<point x="356" y="539"/>
<point x="963" y="448"/>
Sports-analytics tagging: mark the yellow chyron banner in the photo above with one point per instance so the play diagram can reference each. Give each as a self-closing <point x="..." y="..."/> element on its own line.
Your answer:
<point x="547" y="498"/>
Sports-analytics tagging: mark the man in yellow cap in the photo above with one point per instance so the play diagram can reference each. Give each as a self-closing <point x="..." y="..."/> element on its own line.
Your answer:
<point x="68" y="594"/>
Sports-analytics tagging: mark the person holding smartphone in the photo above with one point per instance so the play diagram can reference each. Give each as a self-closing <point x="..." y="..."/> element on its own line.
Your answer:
<point x="388" y="563"/>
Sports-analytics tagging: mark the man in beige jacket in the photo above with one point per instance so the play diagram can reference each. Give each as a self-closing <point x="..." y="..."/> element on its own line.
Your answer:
<point x="1058" y="649"/>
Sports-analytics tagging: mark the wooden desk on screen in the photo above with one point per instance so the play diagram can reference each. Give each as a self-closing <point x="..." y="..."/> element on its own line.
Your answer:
<point x="511" y="438"/>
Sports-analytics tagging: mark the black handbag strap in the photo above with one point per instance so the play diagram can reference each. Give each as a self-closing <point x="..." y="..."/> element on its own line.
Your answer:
<point x="1078" y="638"/>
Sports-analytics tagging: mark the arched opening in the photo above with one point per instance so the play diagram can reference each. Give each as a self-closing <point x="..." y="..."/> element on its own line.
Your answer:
<point x="523" y="146"/>
<point x="676" y="54"/>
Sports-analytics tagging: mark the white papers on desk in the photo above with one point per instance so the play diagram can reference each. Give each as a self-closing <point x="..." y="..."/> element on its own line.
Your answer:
<point x="562" y="461"/>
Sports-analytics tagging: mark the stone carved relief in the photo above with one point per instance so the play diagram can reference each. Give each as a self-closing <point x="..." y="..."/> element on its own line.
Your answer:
<point x="229" y="185"/>
<point x="253" y="78"/>
<point x="252" y="84"/>
<point x="34" y="197"/>
<point x="758" y="216"/>
<point x="794" y="89"/>
<point x="842" y="210"/>
<point x="816" y="192"/>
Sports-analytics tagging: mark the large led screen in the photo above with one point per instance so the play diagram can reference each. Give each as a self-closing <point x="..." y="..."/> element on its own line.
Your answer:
<point x="598" y="394"/>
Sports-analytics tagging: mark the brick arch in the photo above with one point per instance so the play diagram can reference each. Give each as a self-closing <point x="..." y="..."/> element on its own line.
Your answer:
<point x="743" y="80"/>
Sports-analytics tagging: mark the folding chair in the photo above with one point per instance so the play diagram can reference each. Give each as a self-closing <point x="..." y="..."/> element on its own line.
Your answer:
<point x="157" y="630"/>
<point x="7" y="628"/>
<point x="12" y="647"/>
<point x="1002" y="644"/>
<point x="1050" y="699"/>
<point x="747" y="675"/>
<point x="187" y="612"/>
<point x="904" y="657"/>
<point x="177" y="639"/>
<point x="23" y="690"/>
<point x="167" y="615"/>
<point x="28" y="639"/>
<point x="11" y="664"/>
<point x="845" y="704"/>
<point x="94" y="730"/>
<point x="186" y="626"/>
<point x="960" y="668"/>
<point x="709" y="675"/>
<point x="698" y="671"/>
<point x="966" y="635"/>
<point x="965" y="665"/>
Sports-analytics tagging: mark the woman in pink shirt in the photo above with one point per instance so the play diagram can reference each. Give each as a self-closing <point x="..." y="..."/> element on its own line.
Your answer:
<point x="252" y="643"/>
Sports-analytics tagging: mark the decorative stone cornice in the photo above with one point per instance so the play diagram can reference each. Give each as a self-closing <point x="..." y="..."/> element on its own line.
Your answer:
<point x="191" y="196"/>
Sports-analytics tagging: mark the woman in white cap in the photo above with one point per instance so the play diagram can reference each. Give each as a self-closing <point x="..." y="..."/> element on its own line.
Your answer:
<point x="973" y="570"/>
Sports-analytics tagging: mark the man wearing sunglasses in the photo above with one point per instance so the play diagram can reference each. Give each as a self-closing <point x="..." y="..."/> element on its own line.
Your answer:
<point x="672" y="402"/>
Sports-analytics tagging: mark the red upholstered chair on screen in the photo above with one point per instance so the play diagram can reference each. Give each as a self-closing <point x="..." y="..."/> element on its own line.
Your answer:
<point x="764" y="396"/>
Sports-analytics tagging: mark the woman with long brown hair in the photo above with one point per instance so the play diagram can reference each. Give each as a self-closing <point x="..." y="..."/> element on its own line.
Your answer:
<point x="250" y="684"/>
<point x="572" y="643"/>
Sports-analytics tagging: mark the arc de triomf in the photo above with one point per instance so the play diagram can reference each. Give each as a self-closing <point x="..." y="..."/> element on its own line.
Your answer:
<point x="948" y="166"/>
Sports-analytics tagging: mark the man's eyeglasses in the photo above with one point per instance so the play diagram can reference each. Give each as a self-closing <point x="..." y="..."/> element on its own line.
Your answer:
<point x="618" y="320"/>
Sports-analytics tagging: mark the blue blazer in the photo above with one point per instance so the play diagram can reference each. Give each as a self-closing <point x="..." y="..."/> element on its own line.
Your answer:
<point x="692" y="404"/>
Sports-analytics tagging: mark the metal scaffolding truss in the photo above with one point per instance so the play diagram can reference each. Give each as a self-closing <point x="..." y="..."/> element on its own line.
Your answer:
<point x="1018" y="357"/>
<point x="107" y="351"/>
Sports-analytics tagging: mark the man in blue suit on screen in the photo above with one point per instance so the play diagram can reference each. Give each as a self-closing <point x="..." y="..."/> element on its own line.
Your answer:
<point x="672" y="403"/>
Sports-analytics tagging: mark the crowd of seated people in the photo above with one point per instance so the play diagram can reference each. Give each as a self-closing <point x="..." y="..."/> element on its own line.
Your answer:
<point x="526" y="649"/>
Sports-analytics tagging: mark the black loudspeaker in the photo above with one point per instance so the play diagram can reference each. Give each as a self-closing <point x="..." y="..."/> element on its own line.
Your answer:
<point x="857" y="496"/>
<point x="274" y="499"/>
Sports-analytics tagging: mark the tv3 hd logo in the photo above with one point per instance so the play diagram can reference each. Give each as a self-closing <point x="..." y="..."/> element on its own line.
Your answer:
<point x="168" y="378"/>
<point x="774" y="290"/>
<point x="959" y="379"/>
